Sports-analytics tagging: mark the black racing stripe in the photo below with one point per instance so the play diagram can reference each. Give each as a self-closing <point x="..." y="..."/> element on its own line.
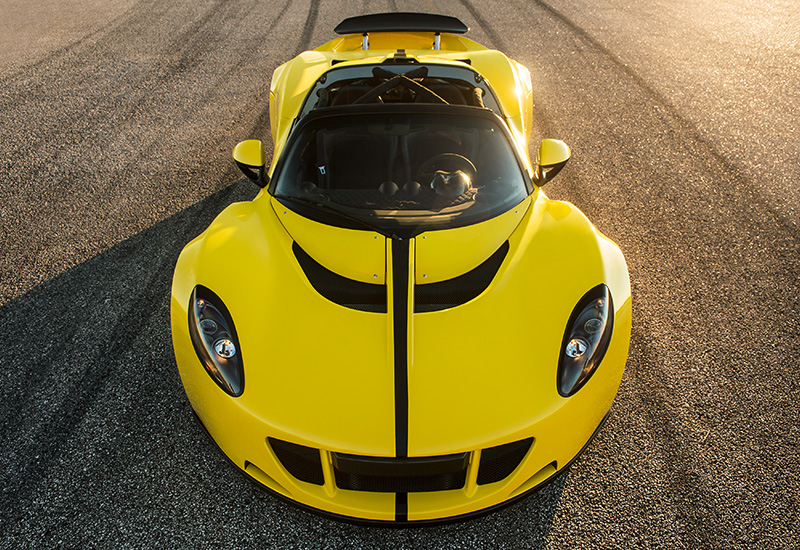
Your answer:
<point x="400" y="252"/>
<point x="401" y="507"/>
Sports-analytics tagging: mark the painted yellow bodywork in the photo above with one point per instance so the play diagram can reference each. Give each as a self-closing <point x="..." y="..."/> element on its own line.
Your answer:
<point x="480" y="374"/>
<point x="250" y="152"/>
<point x="551" y="152"/>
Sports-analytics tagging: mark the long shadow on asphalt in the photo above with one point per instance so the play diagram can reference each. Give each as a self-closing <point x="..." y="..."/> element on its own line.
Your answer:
<point x="99" y="445"/>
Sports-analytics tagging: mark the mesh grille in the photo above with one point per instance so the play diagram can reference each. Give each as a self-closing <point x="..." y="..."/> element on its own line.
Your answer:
<point x="301" y="462"/>
<point x="403" y="484"/>
<point x="461" y="289"/>
<point x="497" y="463"/>
<point x="341" y="290"/>
<point x="401" y="475"/>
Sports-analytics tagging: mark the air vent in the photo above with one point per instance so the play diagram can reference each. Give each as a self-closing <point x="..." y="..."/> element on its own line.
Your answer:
<point x="461" y="289"/>
<point x="341" y="290"/>
<point x="400" y="475"/>
<point x="301" y="462"/>
<point x="497" y="463"/>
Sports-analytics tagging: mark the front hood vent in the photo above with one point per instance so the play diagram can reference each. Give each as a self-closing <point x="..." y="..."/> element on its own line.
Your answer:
<point x="459" y="290"/>
<point x="341" y="290"/>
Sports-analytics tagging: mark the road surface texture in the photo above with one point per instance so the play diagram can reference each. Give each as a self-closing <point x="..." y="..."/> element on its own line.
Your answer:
<point x="117" y="123"/>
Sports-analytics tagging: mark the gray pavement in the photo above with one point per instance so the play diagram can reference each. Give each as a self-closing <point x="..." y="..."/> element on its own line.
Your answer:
<point x="115" y="137"/>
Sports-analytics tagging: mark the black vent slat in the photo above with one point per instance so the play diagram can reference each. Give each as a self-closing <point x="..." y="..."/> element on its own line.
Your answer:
<point x="400" y="475"/>
<point x="302" y="462"/>
<point x="497" y="463"/>
<point x="459" y="290"/>
<point x="341" y="290"/>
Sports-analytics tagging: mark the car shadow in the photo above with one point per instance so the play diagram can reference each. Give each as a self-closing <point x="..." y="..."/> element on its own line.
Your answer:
<point x="98" y="439"/>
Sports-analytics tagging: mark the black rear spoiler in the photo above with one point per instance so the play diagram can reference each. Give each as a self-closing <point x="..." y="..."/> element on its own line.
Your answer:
<point x="401" y="22"/>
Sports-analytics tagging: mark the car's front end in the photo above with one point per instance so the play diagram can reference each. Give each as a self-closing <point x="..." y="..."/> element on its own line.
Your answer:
<point x="470" y="368"/>
<point x="401" y="327"/>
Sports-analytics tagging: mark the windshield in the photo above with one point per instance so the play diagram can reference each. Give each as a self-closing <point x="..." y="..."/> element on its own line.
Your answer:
<point x="412" y="170"/>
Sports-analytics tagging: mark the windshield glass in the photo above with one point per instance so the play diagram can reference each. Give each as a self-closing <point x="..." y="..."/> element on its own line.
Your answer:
<point x="410" y="170"/>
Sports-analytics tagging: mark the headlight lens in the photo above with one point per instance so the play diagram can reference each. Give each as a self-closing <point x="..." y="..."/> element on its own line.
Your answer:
<point x="586" y="340"/>
<point x="215" y="341"/>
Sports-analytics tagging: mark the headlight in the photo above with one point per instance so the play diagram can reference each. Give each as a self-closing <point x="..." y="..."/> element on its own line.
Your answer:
<point x="585" y="340"/>
<point x="214" y="340"/>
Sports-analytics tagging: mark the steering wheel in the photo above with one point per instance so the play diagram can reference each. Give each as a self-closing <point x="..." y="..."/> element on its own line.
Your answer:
<point x="449" y="163"/>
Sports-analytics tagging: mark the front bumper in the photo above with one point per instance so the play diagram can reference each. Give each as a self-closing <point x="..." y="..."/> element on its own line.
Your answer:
<point x="537" y="482"/>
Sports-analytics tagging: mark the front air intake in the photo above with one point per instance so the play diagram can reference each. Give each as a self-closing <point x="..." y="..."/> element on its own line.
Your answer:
<point x="400" y="475"/>
<point x="497" y="463"/>
<point x="301" y="462"/>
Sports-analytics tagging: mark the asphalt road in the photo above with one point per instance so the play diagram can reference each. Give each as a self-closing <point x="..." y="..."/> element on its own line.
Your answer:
<point x="116" y="125"/>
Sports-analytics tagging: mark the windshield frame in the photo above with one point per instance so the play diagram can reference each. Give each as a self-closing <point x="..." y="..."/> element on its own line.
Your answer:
<point x="350" y="112"/>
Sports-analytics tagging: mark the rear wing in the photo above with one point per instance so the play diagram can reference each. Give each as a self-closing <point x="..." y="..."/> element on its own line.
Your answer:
<point x="401" y="22"/>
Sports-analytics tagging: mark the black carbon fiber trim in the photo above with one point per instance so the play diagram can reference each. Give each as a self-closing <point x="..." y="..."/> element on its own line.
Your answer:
<point x="302" y="462"/>
<point x="401" y="22"/>
<point x="459" y="290"/>
<point x="341" y="290"/>
<point x="497" y="463"/>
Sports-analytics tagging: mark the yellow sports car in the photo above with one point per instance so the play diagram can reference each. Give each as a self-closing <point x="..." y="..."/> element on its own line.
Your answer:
<point x="401" y="327"/>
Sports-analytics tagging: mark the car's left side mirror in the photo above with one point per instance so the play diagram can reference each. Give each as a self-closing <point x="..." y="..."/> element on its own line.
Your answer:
<point x="552" y="156"/>
<point x="251" y="159"/>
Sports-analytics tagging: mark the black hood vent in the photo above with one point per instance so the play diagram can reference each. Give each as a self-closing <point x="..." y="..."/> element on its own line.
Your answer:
<point x="341" y="290"/>
<point x="459" y="290"/>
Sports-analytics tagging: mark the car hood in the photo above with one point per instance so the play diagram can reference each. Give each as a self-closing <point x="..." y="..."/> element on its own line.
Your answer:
<point x="474" y="370"/>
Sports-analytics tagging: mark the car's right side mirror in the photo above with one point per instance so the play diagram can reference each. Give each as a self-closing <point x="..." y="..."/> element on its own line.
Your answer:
<point x="251" y="160"/>
<point x="552" y="156"/>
